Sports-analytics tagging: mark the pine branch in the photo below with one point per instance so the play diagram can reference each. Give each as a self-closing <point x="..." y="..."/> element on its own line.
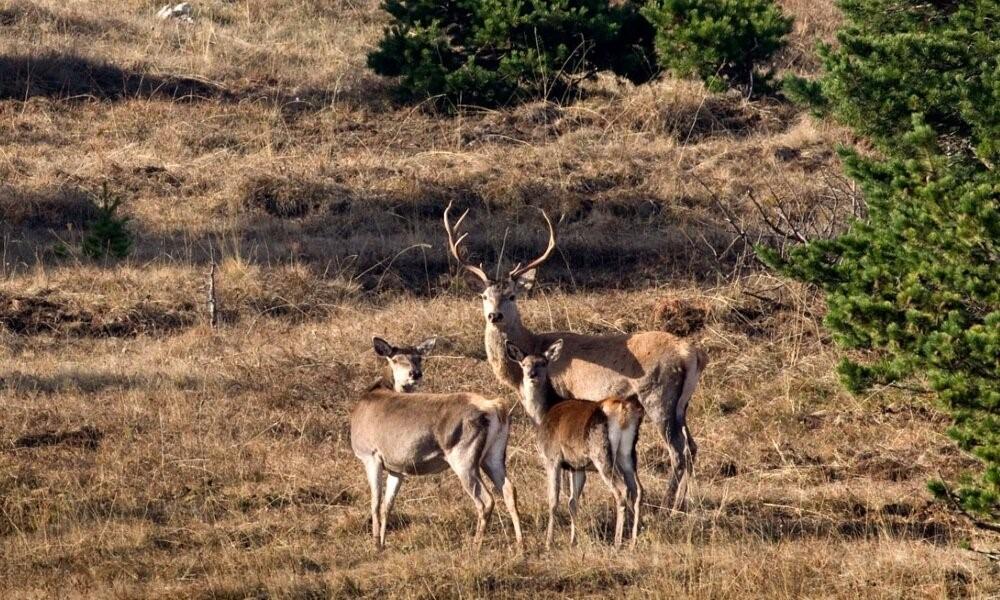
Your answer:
<point x="955" y="502"/>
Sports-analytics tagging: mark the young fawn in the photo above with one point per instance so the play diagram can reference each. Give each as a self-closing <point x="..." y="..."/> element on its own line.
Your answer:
<point x="579" y="435"/>
<point x="404" y="434"/>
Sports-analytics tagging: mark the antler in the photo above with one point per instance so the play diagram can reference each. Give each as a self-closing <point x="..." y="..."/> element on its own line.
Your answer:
<point x="520" y="270"/>
<point x="453" y="245"/>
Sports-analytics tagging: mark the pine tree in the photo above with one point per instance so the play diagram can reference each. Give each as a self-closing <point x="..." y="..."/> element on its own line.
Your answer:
<point x="108" y="234"/>
<point x="916" y="285"/>
<point x="721" y="41"/>
<point x="494" y="52"/>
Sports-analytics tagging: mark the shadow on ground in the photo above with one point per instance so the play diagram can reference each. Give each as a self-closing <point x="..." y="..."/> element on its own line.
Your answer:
<point x="62" y="76"/>
<point x="395" y="242"/>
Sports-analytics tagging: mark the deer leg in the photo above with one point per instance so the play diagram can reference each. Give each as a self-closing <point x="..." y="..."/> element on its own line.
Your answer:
<point x="482" y="499"/>
<point x="627" y="465"/>
<point x="635" y="511"/>
<point x="392" y="483"/>
<point x="465" y="461"/>
<point x="373" y="470"/>
<point x="602" y="461"/>
<point x="579" y="479"/>
<point x="554" y="475"/>
<point x="679" y="450"/>
<point x="495" y="465"/>
<point x="692" y="446"/>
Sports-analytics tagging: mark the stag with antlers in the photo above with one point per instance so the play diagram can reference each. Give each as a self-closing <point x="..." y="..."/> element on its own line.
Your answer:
<point x="657" y="367"/>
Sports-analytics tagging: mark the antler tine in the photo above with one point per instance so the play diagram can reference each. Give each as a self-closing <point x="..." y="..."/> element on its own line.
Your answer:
<point x="458" y="223"/>
<point x="519" y="270"/>
<point x="453" y="244"/>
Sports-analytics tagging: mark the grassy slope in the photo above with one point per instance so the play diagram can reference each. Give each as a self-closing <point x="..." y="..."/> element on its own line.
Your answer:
<point x="223" y="468"/>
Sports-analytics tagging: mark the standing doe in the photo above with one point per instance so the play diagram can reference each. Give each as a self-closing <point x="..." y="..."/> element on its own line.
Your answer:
<point x="577" y="435"/>
<point x="405" y="433"/>
<point x="659" y="368"/>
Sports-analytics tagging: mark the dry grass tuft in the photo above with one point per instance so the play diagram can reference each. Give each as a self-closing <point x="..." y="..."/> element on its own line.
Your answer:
<point x="289" y="197"/>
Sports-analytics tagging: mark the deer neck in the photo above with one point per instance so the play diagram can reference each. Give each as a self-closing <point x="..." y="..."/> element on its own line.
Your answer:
<point x="509" y="373"/>
<point x="537" y="399"/>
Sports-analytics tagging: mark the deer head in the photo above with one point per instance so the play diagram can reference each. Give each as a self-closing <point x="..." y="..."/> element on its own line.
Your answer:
<point x="404" y="362"/>
<point x="534" y="366"/>
<point x="499" y="297"/>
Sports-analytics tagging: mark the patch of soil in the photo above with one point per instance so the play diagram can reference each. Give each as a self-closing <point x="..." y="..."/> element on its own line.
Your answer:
<point x="679" y="316"/>
<point x="730" y="115"/>
<point x="886" y="468"/>
<point x="85" y="437"/>
<point x="756" y="317"/>
<point x="290" y="197"/>
<point x="534" y="122"/>
<point x="48" y="312"/>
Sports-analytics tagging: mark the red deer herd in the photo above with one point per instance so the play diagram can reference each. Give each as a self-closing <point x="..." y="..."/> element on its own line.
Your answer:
<point x="584" y="394"/>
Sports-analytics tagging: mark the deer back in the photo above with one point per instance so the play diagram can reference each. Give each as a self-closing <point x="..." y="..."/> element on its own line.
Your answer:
<point x="602" y="366"/>
<point x="406" y="426"/>
<point x="567" y="428"/>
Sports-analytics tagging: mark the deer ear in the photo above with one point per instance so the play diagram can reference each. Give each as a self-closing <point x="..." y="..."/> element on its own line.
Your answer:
<point x="382" y="347"/>
<point x="475" y="282"/>
<point x="525" y="281"/>
<point x="553" y="351"/>
<point x="513" y="352"/>
<point x="426" y="346"/>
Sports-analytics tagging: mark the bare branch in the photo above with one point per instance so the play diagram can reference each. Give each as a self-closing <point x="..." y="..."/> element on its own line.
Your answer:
<point x="212" y="301"/>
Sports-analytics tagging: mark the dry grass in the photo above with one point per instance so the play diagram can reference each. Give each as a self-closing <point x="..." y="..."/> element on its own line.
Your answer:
<point x="143" y="454"/>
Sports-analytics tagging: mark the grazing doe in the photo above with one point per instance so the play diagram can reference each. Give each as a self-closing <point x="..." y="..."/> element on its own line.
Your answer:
<point x="405" y="433"/>
<point x="578" y="435"/>
<point x="659" y="368"/>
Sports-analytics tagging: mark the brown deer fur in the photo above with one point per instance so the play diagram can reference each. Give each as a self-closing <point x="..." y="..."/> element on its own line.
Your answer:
<point x="411" y="434"/>
<point x="659" y="368"/>
<point x="577" y="435"/>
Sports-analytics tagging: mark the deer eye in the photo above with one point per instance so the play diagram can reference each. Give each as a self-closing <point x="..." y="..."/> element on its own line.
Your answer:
<point x="511" y="297"/>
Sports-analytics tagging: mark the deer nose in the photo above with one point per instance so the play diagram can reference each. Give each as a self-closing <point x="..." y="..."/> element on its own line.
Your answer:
<point x="495" y="317"/>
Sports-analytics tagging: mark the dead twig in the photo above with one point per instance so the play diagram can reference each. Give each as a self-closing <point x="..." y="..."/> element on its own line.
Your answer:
<point x="212" y="300"/>
<point x="795" y="235"/>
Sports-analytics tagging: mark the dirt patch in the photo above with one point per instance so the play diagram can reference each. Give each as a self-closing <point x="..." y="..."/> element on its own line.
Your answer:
<point x="727" y="116"/>
<point x="880" y="467"/>
<point x="85" y="437"/>
<point x="679" y="316"/>
<point x="292" y="197"/>
<point x="757" y="317"/>
<point x="754" y="317"/>
<point x="535" y="122"/>
<point x="49" y="312"/>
